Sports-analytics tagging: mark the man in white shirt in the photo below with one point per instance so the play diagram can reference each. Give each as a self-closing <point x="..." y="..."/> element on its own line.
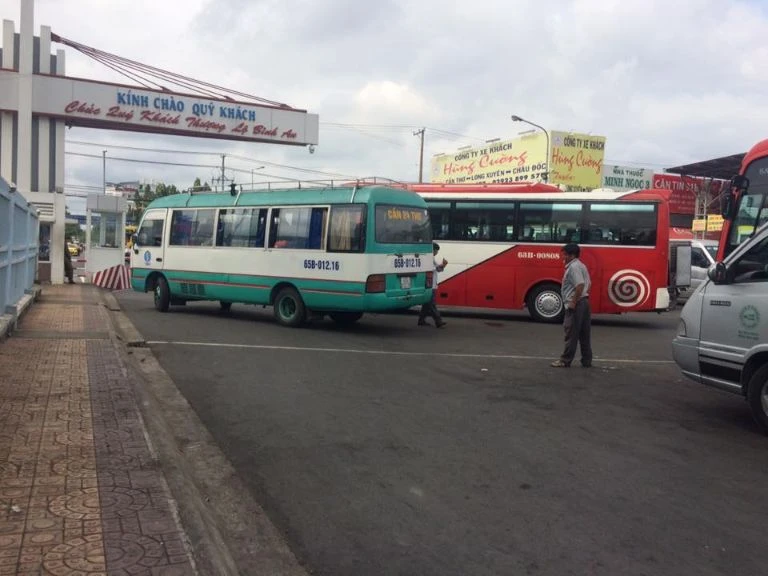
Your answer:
<point x="430" y="308"/>
<point x="578" y="315"/>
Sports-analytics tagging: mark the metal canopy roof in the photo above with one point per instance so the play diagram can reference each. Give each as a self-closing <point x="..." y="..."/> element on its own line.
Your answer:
<point x="723" y="168"/>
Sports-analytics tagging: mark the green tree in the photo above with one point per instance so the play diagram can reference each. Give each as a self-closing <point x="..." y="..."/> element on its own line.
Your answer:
<point x="198" y="186"/>
<point x="145" y="195"/>
<point x="72" y="231"/>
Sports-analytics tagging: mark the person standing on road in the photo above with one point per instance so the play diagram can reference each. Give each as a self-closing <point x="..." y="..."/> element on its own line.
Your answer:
<point x="430" y="308"/>
<point x="578" y="315"/>
<point x="68" y="269"/>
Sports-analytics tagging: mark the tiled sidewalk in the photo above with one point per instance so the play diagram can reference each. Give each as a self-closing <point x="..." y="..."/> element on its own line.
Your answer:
<point x="80" y="492"/>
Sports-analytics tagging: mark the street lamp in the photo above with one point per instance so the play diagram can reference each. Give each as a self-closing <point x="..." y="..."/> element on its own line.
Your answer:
<point x="254" y="170"/>
<point x="516" y="118"/>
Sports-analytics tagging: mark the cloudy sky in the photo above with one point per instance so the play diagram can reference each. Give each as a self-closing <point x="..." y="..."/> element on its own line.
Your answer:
<point x="666" y="83"/>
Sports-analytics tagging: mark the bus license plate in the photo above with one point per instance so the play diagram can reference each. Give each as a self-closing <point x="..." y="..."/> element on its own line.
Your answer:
<point x="405" y="282"/>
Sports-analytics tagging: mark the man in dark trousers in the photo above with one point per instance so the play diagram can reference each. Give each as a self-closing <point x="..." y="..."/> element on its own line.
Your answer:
<point x="578" y="316"/>
<point x="68" y="268"/>
<point x="430" y="308"/>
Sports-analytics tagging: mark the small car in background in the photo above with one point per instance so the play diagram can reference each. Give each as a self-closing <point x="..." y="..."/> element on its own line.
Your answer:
<point x="703" y="254"/>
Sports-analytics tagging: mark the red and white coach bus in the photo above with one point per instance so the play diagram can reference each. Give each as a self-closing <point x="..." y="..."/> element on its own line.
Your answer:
<point x="503" y="244"/>
<point x="746" y="201"/>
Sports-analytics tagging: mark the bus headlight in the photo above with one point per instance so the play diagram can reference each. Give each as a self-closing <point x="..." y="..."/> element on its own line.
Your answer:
<point x="682" y="330"/>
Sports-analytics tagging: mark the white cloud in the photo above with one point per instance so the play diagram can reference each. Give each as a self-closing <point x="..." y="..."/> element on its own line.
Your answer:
<point x="390" y="100"/>
<point x="664" y="82"/>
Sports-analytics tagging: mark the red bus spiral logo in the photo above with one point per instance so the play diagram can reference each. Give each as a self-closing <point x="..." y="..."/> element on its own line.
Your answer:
<point x="628" y="288"/>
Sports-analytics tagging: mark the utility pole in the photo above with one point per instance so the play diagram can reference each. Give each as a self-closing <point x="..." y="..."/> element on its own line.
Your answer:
<point x="223" y="177"/>
<point x="104" y="171"/>
<point x="420" y="133"/>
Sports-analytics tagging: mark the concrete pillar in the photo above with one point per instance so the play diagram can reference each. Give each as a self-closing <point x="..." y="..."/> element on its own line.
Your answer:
<point x="24" y="155"/>
<point x="44" y="130"/>
<point x="6" y="118"/>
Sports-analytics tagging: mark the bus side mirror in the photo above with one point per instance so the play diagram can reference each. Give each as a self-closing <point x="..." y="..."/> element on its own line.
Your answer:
<point x="737" y="184"/>
<point x="135" y="243"/>
<point x="727" y="210"/>
<point x="717" y="273"/>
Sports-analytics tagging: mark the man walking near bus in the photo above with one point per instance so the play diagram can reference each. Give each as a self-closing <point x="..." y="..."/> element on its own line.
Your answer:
<point x="578" y="316"/>
<point x="430" y="308"/>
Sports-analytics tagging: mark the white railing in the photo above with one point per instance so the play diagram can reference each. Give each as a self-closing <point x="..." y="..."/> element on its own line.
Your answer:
<point x="19" y="230"/>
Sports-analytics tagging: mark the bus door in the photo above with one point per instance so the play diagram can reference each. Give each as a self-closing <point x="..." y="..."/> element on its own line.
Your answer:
<point x="149" y="249"/>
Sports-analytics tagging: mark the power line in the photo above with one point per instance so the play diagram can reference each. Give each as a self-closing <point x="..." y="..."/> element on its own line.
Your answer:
<point x="137" y="161"/>
<point x="352" y="125"/>
<point x="142" y="149"/>
<point x="200" y="153"/>
<point x="448" y="132"/>
<point x="133" y="160"/>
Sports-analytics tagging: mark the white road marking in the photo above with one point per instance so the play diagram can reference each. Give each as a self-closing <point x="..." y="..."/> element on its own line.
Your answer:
<point x="392" y="352"/>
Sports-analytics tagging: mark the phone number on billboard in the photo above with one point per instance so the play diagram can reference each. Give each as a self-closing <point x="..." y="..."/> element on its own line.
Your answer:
<point x="310" y="264"/>
<point x="519" y="178"/>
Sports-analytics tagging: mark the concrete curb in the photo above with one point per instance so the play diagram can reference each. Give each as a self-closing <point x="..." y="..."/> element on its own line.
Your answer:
<point x="125" y="329"/>
<point x="229" y="531"/>
<point x="8" y="322"/>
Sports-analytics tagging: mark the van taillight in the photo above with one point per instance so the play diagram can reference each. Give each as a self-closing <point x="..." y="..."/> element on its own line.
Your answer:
<point x="428" y="284"/>
<point x="375" y="283"/>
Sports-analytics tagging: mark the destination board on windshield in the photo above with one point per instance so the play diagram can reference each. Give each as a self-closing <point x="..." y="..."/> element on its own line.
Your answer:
<point x="405" y="214"/>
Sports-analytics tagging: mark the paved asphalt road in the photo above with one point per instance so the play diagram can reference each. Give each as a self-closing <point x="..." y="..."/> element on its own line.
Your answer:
<point x="468" y="454"/>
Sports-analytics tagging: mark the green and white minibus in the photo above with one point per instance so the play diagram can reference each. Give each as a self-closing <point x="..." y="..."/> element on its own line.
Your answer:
<point x="307" y="252"/>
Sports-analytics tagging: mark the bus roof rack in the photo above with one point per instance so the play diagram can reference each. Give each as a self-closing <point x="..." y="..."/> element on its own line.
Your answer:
<point x="299" y="184"/>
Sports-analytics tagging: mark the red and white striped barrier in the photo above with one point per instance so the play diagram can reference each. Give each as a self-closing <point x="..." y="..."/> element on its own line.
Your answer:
<point x="113" y="278"/>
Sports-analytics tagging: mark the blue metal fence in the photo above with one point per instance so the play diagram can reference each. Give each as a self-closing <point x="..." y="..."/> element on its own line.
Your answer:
<point x="19" y="230"/>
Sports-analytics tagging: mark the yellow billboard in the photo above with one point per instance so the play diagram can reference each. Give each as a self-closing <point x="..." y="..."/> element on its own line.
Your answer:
<point x="577" y="160"/>
<point x="714" y="223"/>
<point x="518" y="160"/>
<point x="699" y="225"/>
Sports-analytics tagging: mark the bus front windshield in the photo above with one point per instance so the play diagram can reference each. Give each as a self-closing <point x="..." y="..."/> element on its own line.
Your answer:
<point x="752" y="210"/>
<point x="402" y="225"/>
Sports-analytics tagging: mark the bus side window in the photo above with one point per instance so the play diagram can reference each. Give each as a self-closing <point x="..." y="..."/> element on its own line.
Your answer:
<point x="261" y="230"/>
<point x="625" y="223"/>
<point x="274" y="220"/>
<point x="317" y="226"/>
<point x="151" y="233"/>
<point x="346" y="230"/>
<point x="752" y="266"/>
<point x="220" y="229"/>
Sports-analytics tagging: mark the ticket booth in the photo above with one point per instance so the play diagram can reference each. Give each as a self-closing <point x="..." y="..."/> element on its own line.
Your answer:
<point x="104" y="233"/>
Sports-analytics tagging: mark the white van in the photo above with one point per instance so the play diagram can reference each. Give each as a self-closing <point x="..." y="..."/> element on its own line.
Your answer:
<point x="722" y="339"/>
<point x="703" y="254"/>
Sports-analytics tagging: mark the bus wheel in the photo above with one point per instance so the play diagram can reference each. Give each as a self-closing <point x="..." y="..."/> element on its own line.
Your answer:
<point x="757" y="395"/>
<point x="345" y="318"/>
<point x="162" y="295"/>
<point x="545" y="304"/>
<point x="225" y="306"/>
<point x="289" y="308"/>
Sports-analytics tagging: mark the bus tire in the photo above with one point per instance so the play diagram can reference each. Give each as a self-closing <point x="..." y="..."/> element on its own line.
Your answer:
<point x="345" y="318"/>
<point x="225" y="306"/>
<point x="162" y="295"/>
<point x="545" y="304"/>
<point x="289" y="308"/>
<point x="757" y="396"/>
